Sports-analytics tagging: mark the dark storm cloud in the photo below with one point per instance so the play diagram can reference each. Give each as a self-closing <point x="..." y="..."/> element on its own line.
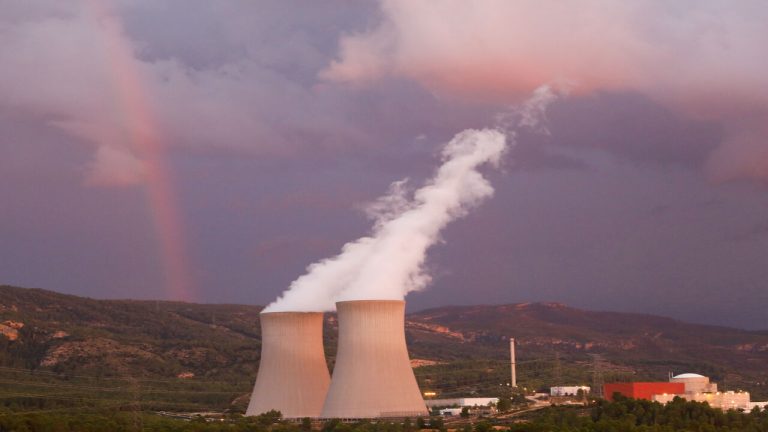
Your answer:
<point x="626" y="126"/>
<point x="295" y="39"/>
<point x="635" y="128"/>
<point x="596" y="240"/>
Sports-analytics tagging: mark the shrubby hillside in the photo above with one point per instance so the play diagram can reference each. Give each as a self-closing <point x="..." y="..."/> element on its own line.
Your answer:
<point x="62" y="350"/>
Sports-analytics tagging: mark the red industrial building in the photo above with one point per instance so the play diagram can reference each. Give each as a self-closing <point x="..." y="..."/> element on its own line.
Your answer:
<point x="643" y="390"/>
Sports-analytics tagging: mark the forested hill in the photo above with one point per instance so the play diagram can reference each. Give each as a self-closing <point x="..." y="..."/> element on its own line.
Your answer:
<point x="557" y="343"/>
<point x="457" y="350"/>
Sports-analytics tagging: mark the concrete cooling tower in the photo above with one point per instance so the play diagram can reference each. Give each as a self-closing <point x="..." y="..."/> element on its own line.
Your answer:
<point x="293" y="375"/>
<point x="373" y="376"/>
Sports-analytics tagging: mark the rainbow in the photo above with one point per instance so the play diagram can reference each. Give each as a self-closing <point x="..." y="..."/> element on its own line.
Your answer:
<point x="146" y="141"/>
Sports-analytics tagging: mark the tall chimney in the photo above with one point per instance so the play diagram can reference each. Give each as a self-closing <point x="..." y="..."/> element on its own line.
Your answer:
<point x="513" y="383"/>
<point x="373" y="376"/>
<point x="293" y="376"/>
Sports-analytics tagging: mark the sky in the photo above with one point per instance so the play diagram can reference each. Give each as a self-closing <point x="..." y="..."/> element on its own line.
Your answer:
<point x="210" y="151"/>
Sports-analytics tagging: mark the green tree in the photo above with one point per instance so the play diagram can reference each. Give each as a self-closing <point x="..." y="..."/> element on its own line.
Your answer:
<point x="269" y="417"/>
<point x="407" y="425"/>
<point x="580" y="394"/>
<point x="306" y="424"/>
<point x="330" y="425"/>
<point x="436" y="422"/>
<point x="519" y="399"/>
<point x="483" y="426"/>
<point x="504" y="404"/>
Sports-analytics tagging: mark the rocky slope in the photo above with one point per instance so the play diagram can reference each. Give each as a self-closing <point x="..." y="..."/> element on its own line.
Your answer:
<point x="456" y="350"/>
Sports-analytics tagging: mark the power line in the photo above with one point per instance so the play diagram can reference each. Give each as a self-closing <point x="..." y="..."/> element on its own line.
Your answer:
<point x="558" y="372"/>
<point x="597" y="375"/>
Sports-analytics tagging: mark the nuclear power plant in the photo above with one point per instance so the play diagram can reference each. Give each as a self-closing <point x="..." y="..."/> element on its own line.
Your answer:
<point x="293" y="376"/>
<point x="372" y="377"/>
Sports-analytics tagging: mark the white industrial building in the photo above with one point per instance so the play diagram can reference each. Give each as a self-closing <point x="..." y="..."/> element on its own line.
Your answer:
<point x="450" y="411"/>
<point x="698" y="388"/>
<point x="695" y="383"/>
<point x="723" y="400"/>
<point x="462" y="402"/>
<point x="568" y="390"/>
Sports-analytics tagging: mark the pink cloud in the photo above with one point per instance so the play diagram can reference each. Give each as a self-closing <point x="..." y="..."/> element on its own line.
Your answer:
<point x="114" y="166"/>
<point x="699" y="57"/>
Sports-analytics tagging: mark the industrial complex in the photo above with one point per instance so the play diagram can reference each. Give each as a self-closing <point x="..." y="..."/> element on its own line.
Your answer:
<point x="689" y="386"/>
<point x="373" y="378"/>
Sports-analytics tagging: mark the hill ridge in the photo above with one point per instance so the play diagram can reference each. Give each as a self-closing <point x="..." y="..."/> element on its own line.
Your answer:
<point x="67" y="334"/>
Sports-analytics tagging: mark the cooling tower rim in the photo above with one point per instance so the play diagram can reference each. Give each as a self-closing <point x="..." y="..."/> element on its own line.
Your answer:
<point x="380" y="301"/>
<point x="289" y="313"/>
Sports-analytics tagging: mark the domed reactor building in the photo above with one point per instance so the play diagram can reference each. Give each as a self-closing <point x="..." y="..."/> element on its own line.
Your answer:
<point x="293" y="376"/>
<point x="372" y="377"/>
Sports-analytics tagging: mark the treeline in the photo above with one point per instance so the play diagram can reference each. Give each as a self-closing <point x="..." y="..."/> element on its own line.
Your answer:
<point x="624" y="415"/>
<point x="135" y="422"/>
<point x="62" y="421"/>
<point x="631" y="415"/>
<point x="103" y="421"/>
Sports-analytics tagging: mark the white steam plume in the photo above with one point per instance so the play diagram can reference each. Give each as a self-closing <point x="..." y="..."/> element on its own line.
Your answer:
<point x="389" y="263"/>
